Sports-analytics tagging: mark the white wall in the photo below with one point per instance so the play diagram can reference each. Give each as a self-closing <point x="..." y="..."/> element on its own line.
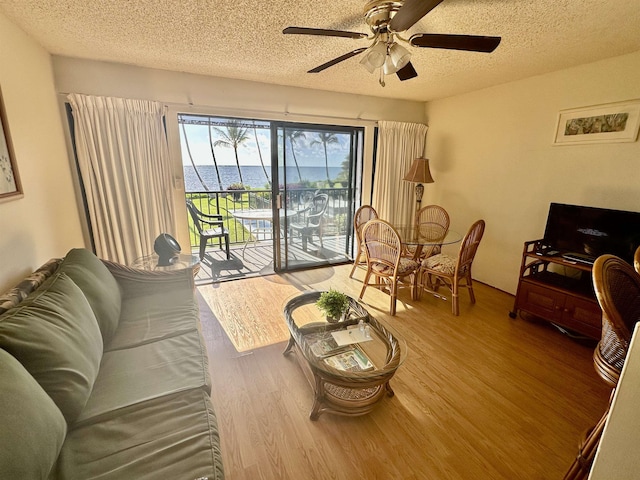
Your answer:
<point x="45" y="222"/>
<point x="221" y="96"/>
<point x="492" y="157"/>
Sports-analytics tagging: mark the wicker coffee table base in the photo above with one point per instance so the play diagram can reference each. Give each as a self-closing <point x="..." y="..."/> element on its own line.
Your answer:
<point x="339" y="397"/>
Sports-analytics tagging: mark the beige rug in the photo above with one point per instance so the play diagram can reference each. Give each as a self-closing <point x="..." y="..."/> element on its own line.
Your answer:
<point x="250" y="314"/>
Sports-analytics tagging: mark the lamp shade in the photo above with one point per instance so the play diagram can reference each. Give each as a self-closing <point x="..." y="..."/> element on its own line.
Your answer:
<point x="167" y="249"/>
<point x="374" y="57"/>
<point x="400" y="56"/>
<point x="419" y="172"/>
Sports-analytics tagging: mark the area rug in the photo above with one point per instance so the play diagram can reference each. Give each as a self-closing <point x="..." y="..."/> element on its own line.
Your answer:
<point x="250" y="314"/>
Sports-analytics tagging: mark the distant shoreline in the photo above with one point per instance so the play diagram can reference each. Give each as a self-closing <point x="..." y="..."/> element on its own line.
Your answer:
<point x="253" y="176"/>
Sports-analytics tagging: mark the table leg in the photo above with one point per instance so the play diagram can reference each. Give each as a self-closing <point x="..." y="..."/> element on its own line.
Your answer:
<point x="390" y="391"/>
<point x="289" y="346"/>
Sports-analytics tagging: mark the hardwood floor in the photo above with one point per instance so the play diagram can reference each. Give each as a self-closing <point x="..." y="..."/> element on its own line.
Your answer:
<point x="480" y="396"/>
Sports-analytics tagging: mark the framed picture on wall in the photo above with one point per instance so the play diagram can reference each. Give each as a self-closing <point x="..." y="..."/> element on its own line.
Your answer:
<point x="10" y="187"/>
<point x="613" y="122"/>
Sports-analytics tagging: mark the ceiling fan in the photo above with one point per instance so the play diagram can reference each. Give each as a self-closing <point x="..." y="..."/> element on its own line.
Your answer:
<point x="387" y="19"/>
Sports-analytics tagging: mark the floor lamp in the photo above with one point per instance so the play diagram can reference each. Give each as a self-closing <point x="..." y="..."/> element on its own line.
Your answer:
<point x="419" y="173"/>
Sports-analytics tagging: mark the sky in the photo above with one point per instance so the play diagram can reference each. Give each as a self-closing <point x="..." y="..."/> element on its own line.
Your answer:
<point x="307" y="154"/>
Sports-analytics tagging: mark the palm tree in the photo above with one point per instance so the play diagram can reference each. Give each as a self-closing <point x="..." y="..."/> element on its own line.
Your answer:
<point x="233" y="135"/>
<point x="325" y="139"/>
<point x="294" y="136"/>
<point x="195" y="169"/>
<point x="215" y="163"/>
<point x="255" y="134"/>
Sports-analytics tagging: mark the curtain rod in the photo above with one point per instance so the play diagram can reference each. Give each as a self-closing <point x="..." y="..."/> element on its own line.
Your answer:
<point x="284" y="114"/>
<point x="246" y="111"/>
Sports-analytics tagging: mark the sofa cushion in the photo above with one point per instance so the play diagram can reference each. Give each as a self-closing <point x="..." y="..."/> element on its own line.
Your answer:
<point x="33" y="428"/>
<point x="54" y="334"/>
<point x="155" y="316"/>
<point x="98" y="285"/>
<point x="135" y="375"/>
<point x="172" y="437"/>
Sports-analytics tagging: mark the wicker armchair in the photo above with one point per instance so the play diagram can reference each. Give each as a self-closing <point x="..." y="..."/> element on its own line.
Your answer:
<point x="617" y="287"/>
<point x="362" y="216"/>
<point x="436" y="220"/>
<point x="453" y="273"/>
<point x="383" y="250"/>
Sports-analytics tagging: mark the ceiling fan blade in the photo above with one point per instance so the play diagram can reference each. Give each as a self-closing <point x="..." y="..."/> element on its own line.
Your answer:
<point x="407" y="72"/>
<point x="341" y="58"/>
<point x="322" y="32"/>
<point x="410" y="13"/>
<point x="472" y="43"/>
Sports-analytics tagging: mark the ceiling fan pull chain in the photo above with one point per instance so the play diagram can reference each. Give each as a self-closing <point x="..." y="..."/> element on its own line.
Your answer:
<point x="382" y="77"/>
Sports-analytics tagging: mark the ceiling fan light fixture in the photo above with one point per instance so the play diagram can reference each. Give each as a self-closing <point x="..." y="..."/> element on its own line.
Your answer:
<point x="389" y="68"/>
<point x="377" y="54"/>
<point x="367" y="64"/>
<point x="400" y="56"/>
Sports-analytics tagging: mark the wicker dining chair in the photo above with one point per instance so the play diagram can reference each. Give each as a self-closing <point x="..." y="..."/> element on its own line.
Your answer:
<point x="442" y="269"/>
<point x="636" y="260"/>
<point x="617" y="287"/>
<point x="383" y="250"/>
<point x="435" y="220"/>
<point x="362" y="216"/>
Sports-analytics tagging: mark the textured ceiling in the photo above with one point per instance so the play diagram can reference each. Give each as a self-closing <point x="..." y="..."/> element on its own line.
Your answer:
<point x="244" y="40"/>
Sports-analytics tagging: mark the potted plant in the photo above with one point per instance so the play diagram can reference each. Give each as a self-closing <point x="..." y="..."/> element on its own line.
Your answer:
<point x="333" y="304"/>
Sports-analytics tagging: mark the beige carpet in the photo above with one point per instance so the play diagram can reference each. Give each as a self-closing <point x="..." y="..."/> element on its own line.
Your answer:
<point x="254" y="318"/>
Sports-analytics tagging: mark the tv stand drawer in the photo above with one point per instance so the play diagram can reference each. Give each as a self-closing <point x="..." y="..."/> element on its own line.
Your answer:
<point x="565" y="308"/>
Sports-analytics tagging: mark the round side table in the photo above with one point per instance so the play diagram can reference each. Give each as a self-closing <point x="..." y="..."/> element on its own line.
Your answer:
<point x="182" y="262"/>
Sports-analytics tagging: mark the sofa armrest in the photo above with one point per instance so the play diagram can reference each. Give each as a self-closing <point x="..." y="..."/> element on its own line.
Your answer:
<point x="135" y="282"/>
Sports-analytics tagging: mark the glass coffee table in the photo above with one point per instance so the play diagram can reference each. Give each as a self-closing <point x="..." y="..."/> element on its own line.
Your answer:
<point x="349" y="363"/>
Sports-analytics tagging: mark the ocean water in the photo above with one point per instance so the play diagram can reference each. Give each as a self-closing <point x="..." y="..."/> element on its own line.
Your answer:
<point x="252" y="176"/>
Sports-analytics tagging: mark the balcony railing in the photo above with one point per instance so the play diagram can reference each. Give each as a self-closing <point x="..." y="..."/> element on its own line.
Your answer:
<point x="226" y="203"/>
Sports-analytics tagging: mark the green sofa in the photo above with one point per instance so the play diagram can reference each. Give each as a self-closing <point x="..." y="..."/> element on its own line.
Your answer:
<point x="104" y="375"/>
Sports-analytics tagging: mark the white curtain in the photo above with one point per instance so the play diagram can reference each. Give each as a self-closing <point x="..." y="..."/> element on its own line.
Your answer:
<point x="398" y="145"/>
<point x="122" y="152"/>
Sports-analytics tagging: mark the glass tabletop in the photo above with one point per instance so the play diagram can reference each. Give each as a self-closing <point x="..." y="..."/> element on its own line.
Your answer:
<point x="261" y="214"/>
<point x="182" y="261"/>
<point x="321" y="342"/>
<point x="426" y="235"/>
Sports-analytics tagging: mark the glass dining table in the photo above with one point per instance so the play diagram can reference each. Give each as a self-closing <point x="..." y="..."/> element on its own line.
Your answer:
<point x="418" y="237"/>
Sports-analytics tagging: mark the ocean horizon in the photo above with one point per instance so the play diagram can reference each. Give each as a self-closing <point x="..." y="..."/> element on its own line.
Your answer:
<point x="253" y="176"/>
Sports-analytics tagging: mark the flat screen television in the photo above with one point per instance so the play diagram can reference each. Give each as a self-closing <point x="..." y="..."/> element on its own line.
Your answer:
<point x="592" y="231"/>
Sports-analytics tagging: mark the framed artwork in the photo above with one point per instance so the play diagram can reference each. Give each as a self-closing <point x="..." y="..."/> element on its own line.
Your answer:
<point x="613" y="122"/>
<point x="10" y="187"/>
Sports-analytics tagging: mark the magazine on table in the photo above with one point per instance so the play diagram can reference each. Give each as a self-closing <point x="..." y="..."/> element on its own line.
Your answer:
<point x="323" y="344"/>
<point x="351" y="360"/>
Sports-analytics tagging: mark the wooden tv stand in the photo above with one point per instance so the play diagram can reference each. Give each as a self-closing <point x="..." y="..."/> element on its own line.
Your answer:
<point x="557" y="290"/>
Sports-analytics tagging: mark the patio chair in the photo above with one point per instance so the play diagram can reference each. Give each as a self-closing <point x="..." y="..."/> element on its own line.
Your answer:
<point x="617" y="287"/>
<point x="383" y="250"/>
<point x="452" y="272"/>
<point x="208" y="226"/>
<point x="362" y="216"/>
<point x="310" y="221"/>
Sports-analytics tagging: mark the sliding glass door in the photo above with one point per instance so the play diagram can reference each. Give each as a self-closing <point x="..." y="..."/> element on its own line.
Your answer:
<point x="315" y="185"/>
<point x="285" y="191"/>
